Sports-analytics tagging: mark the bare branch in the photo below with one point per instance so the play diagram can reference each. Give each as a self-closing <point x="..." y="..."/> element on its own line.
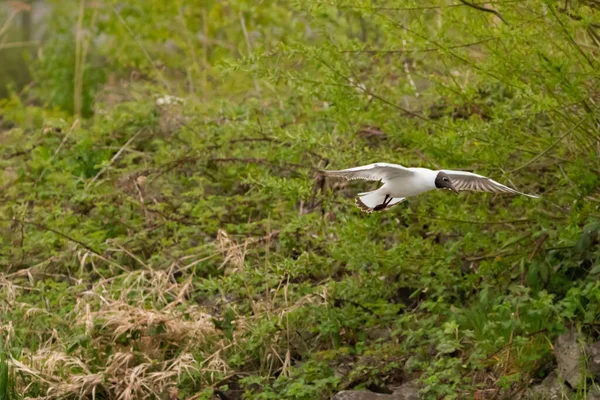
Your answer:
<point x="401" y="51"/>
<point x="62" y="235"/>
<point x="484" y="9"/>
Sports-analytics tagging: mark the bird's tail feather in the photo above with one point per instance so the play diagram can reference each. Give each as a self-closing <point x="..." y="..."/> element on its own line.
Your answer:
<point x="369" y="201"/>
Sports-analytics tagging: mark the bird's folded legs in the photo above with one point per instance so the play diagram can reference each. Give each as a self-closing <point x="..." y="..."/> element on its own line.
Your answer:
<point x="385" y="203"/>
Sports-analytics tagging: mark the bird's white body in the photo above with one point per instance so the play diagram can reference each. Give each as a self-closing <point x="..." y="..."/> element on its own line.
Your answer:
<point x="399" y="187"/>
<point x="420" y="181"/>
<point x="400" y="182"/>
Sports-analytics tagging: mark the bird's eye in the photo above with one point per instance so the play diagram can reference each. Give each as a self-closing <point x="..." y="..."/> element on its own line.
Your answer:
<point x="445" y="179"/>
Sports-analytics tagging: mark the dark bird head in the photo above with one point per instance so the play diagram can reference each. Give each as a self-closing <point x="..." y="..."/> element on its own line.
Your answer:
<point x="443" y="181"/>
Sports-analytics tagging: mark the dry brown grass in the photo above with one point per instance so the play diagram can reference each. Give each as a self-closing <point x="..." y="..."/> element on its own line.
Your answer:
<point x="120" y="319"/>
<point x="146" y="344"/>
<point x="234" y="254"/>
<point x="126" y="376"/>
<point x="139" y="334"/>
<point x="144" y="365"/>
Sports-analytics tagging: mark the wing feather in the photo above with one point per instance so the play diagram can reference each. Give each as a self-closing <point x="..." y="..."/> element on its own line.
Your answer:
<point x="372" y="172"/>
<point x="470" y="182"/>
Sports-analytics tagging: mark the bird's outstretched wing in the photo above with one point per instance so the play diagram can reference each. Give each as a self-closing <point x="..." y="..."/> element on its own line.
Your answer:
<point x="468" y="181"/>
<point x="372" y="172"/>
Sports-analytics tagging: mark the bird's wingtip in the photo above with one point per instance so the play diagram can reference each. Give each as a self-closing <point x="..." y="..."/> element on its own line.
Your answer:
<point x="363" y="207"/>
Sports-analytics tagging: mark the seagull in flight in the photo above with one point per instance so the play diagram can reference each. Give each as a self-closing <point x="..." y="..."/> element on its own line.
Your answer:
<point x="401" y="182"/>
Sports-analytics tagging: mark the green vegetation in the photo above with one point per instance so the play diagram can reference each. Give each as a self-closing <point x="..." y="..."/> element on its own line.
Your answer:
<point x="179" y="251"/>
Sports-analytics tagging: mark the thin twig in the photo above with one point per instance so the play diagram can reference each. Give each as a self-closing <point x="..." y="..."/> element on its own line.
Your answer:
<point x="146" y="54"/>
<point x="484" y="9"/>
<point x="85" y="46"/>
<point x="63" y="235"/>
<point x="130" y="254"/>
<point x="249" y="45"/>
<point x="12" y="45"/>
<point x="492" y="255"/>
<point x="62" y="143"/>
<point x="570" y="39"/>
<point x="538" y="246"/>
<point x="78" y="84"/>
<point x="489" y="357"/>
<point x="401" y="51"/>
<point x="383" y="100"/>
<point x="205" y="45"/>
<point x="420" y="8"/>
<point x="342" y="302"/>
<point x="549" y="147"/>
<point x="464" y="60"/>
<point x="264" y="139"/>
<point x="60" y="146"/>
<point x="6" y="25"/>
<point x="507" y="222"/>
<point x="285" y="166"/>
<point x="112" y="160"/>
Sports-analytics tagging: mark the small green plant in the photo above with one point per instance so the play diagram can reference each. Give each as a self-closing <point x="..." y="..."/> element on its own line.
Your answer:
<point x="7" y="379"/>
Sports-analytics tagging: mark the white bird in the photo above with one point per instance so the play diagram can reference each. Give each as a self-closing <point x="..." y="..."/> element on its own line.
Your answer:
<point x="400" y="182"/>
